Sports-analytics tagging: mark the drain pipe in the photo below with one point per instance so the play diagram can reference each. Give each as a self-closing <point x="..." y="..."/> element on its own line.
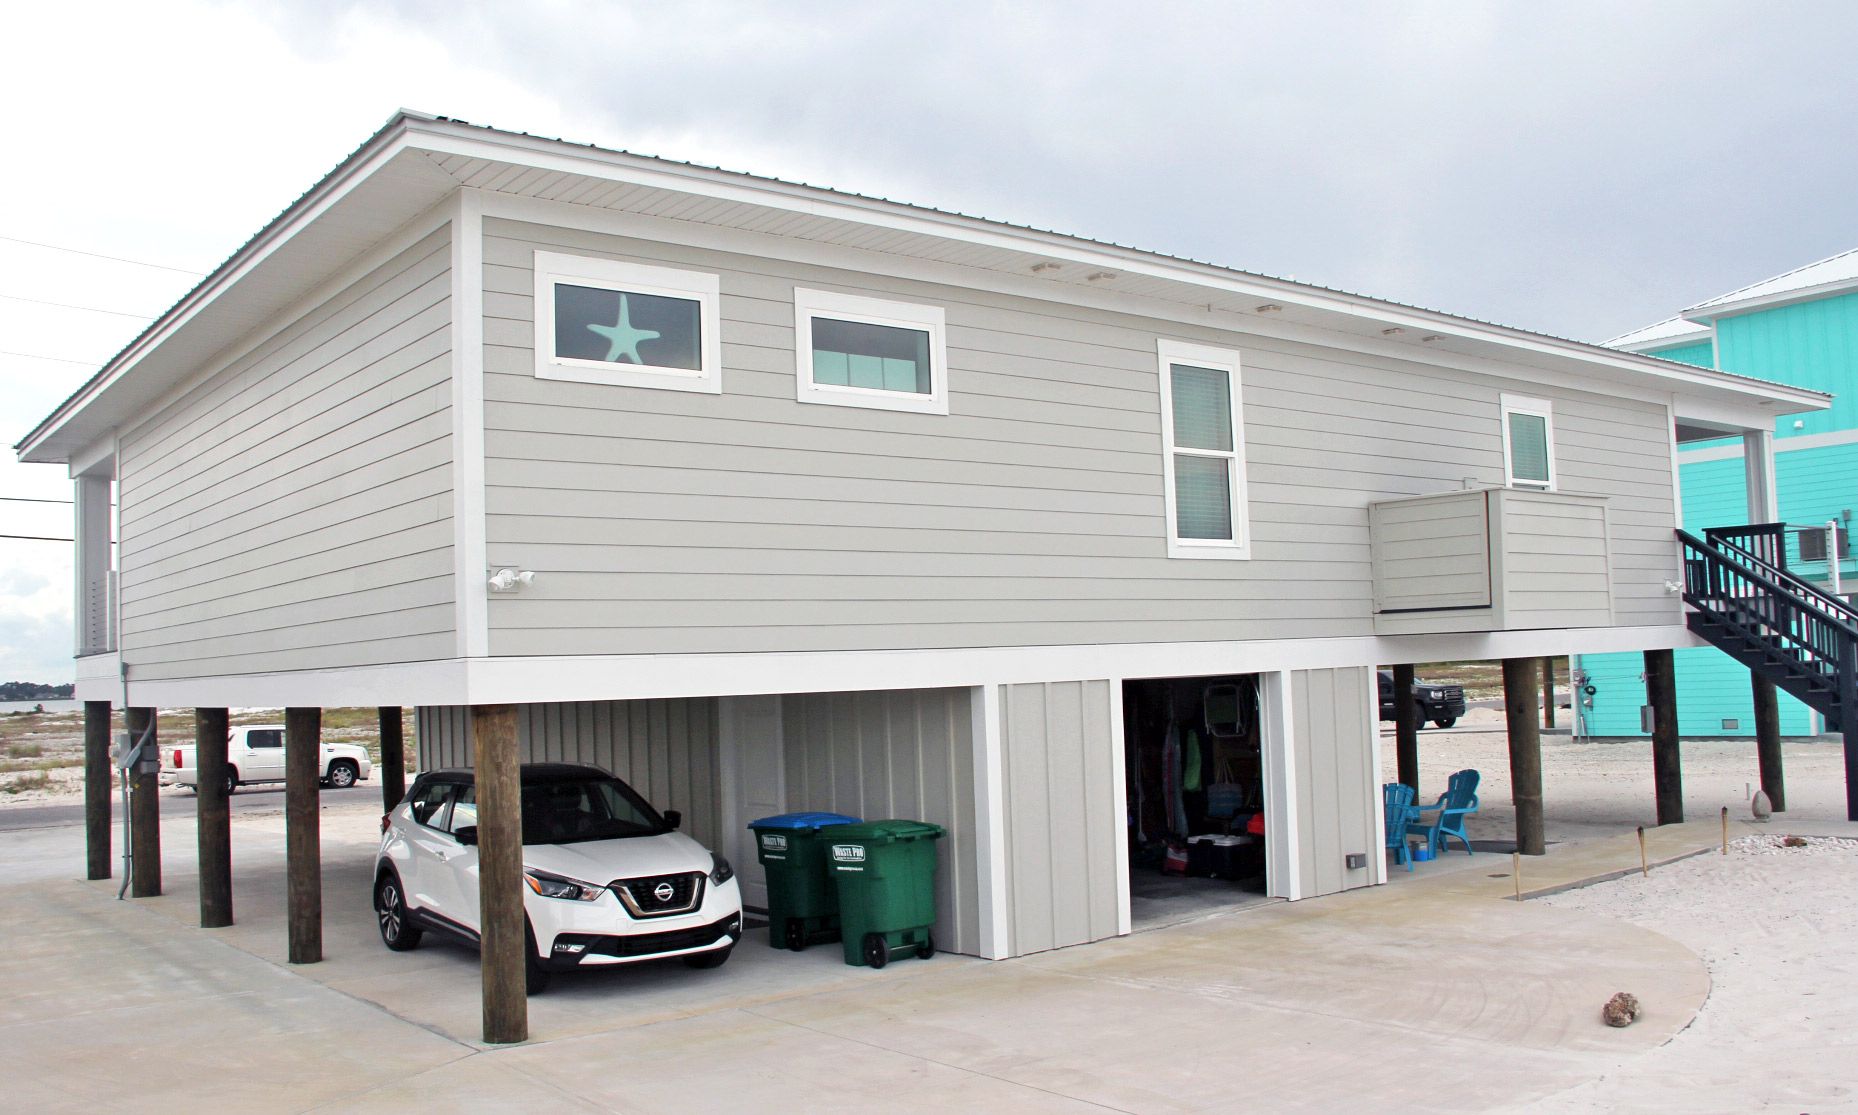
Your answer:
<point x="131" y="755"/>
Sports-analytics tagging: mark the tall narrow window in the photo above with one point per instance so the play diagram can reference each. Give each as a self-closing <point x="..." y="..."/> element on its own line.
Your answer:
<point x="1528" y="443"/>
<point x="1204" y="431"/>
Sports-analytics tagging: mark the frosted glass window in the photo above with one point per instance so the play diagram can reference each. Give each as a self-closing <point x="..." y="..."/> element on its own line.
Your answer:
<point x="1528" y="447"/>
<point x="1205" y="441"/>
<point x="1202" y="408"/>
<point x="1202" y="497"/>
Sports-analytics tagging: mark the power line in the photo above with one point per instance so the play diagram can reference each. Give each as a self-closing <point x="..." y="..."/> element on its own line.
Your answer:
<point x="100" y="255"/>
<point x="59" y="359"/>
<point x="36" y="538"/>
<point x="31" y="499"/>
<point x="71" y="306"/>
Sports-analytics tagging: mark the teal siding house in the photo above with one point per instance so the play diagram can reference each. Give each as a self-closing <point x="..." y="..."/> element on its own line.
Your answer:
<point x="1800" y="328"/>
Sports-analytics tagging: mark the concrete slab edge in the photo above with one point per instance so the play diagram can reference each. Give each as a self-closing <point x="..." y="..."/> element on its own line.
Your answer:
<point x="1561" y="888"/>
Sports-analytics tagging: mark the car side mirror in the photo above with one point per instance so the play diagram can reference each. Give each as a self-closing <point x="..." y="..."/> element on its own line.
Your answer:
<point x="467" y="835"/>
<point x="673" y="817"/>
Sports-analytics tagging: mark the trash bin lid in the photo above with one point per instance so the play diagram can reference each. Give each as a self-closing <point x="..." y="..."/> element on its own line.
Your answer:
<point x="887" y="832"/>
<point x="809" y="821"/>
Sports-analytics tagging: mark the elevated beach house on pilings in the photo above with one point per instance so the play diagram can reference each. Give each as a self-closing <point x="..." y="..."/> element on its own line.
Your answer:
<point x="770" y="497"/>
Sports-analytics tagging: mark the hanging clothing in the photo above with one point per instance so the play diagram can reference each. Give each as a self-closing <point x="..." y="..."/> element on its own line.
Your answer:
<point x="1191" y="764"/>
<point x="1171" y="780"/>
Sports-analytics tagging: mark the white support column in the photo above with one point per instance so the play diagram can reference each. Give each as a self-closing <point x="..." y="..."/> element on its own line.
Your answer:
<point x="468" y="530"/>
<point x="1278" y="732"/>
<point x="990" y="823"/>
<point x="95" y="633"/>
<point x="1758" y="467"/>
<point x="1119" y="776"/>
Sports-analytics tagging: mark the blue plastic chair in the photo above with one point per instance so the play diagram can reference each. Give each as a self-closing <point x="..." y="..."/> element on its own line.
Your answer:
<point x="1397" y="799"/>
<point x="1458" y="802"/>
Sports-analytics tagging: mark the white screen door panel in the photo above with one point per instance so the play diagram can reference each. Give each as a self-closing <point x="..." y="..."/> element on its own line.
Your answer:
<point x="758" y="753"/>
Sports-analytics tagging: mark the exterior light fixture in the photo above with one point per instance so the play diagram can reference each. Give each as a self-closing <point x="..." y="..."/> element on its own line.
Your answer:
<point x="510" y="580"/>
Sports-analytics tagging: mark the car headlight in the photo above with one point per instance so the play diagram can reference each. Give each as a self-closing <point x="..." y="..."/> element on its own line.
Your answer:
<point x="558" y="886"/>
<point x="1438" y="694"/>
<point x="720" y="871"/>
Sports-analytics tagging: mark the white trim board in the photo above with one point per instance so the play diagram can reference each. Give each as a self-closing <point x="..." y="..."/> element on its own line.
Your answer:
<point x="1824" y="440"/>
<point x="996" y="927"/>
<point x="465" y="681"/>
<point x="470" y="563"/>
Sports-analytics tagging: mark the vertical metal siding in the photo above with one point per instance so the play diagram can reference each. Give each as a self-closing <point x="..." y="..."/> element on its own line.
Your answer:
<point x="1062" y="813"/>
<point x="906" y="754"/>
<point x="1336" y="814"/>
<point x="665" y="749"/>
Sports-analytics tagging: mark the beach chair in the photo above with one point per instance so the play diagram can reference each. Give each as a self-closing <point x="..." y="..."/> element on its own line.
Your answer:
<point x="1397" y="798"/>
<point x="1458" y="802"/>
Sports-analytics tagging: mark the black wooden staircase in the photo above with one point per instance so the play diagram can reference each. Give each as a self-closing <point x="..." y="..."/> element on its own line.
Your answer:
<point x="1783" y="628"/>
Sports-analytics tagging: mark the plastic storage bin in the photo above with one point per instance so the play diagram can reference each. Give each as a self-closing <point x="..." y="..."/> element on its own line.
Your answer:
<point x="803" y="904"/>
<point x="885" y="871"/>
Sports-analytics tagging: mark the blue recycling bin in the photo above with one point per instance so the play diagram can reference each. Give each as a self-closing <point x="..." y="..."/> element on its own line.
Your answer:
<point x="803" y="903"/>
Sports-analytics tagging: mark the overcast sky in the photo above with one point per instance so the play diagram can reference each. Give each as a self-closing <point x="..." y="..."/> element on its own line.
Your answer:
<point x="1576" y="168"/>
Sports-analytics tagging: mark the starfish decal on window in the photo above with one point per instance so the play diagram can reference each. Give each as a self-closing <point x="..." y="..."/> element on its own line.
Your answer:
<point x="624" y="337"/>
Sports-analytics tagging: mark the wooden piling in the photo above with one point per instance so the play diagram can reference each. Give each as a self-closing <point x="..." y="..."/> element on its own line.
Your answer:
<point x="1406" y="727"/>
<point x="99" y="775"/>
<point x="1768" y="742"/>
<point x="1644" y="866"/>
<point x="145" y="808"/>
<point x="504" y="946"/>
<point x="303" y="745"/>
<point x="1548" y="692"/>
<point x="1667" y="761"/>
<point x="392" y="771"/>
<point x="213" y="817"/>
<point x="1519" y="708"/>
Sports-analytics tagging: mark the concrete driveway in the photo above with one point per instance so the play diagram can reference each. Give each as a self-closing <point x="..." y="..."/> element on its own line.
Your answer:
<point x="1435" y="993"/>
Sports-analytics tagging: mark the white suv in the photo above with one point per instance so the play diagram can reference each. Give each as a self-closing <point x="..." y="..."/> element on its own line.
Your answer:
<point x="610" y="879"/>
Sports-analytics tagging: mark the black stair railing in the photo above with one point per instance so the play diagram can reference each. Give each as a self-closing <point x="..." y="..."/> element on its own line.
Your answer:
<point x="1722" y="537"/>
<point x="1767" y="542"/>
<point x="1810" y="640"/>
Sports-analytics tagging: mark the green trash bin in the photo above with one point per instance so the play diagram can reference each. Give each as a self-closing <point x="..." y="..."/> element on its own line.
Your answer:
<point x="885" y="871"/>
<point x="803" y="905"/>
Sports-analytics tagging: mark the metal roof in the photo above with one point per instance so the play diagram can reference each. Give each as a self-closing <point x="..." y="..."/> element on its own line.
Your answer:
<point x="1670" y="331"/>
<point x="1829" y="275"/>
<point x="417" y="159"/>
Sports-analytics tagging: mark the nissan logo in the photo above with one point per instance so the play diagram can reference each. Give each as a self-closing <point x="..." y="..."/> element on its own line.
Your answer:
<point x="663" y="892"/>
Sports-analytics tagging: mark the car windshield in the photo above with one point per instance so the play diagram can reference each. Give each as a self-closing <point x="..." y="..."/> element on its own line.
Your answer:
<point x="575" y="810"/>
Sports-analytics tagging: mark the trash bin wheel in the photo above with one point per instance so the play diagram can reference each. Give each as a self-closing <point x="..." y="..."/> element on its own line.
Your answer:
<point x="796" y="934"/>
<point x="927" y="949"/>
<point x="876" y="950"/>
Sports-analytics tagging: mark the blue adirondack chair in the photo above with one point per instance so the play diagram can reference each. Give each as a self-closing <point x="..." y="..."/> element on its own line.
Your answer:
<point x="1398" y="800"/>
<point x="1458" y="802"/>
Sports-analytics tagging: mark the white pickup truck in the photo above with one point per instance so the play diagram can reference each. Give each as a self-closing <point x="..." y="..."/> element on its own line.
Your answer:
<point x="255" y="753"/>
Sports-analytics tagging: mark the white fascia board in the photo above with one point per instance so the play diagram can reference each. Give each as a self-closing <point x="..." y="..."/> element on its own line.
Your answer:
<point x="337" y="185"/>
<point x="1709" y="312"/>
<point x="441" y="137"/>
<point x="540" y="680"/>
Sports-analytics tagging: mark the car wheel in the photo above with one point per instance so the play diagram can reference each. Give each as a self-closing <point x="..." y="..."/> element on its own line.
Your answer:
<point x="927" y="949"/>
<point x="1444" y="721"/>
<point x="397" y="931"/>
<point x="713" y="959"/>
<point x="796" y="935"/>
<point x="876" y="950"/>
<point x="232" y="780"/>
<point x="342" y="774"/>
<point x="535" y="977"/>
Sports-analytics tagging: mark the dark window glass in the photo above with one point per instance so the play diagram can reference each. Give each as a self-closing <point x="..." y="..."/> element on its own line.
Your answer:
<point x="586" y="809"/>
<point x="270" y="737"/>
<point x="620" y="327"/>
<point x="877" y="357"/>
<point x="432" y="804"/>
<point x="464" y="809"/>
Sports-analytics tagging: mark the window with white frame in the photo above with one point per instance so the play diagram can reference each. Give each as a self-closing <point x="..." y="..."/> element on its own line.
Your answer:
<point x="625" y="324"/>
<point x="869" y="352"/>
<point x="1528" y="443"/>
<point x="1203" y="431"/>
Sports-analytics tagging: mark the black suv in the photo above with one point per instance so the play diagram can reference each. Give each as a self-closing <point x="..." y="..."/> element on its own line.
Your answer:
<point x="1441" y="704"/>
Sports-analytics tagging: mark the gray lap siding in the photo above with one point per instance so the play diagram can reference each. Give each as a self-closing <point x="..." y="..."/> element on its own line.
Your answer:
<point x="1032" y="514"/>
<point x="294" y="511"/>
